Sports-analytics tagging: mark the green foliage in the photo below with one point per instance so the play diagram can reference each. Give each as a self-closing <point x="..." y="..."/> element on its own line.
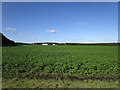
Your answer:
<point x="60" y="60"/>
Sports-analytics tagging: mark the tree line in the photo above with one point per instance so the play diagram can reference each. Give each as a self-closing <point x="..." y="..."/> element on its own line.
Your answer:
<point x="6" y="42"/>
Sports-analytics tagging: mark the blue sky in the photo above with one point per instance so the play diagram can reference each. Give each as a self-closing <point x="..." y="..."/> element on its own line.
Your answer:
<point x="60" y="22"/>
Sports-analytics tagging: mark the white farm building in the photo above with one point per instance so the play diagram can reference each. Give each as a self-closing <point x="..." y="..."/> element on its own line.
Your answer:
<point x="44" y="44"/>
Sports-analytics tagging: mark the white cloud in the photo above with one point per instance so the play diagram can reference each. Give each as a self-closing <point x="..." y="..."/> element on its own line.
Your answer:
<point x="77" y="40"/>
<point x="81" y="23"/>
<point x="51" y="31"/>
<point x="33" y="37"/>
<point x="91" y="41"/>
<point x="10" y="29"/>
<point x="20" y="34"/>
<point x="109" y="40"/>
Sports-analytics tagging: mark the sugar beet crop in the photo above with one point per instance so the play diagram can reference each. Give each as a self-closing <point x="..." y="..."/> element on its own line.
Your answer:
<point x="69" y="62"/>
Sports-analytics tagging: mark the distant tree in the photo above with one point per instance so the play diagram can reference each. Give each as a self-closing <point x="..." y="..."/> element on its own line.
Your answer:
<point x="5" y="41"/>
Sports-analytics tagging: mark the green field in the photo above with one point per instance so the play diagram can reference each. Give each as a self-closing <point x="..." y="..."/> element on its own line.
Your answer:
<point x="82" y="64"/>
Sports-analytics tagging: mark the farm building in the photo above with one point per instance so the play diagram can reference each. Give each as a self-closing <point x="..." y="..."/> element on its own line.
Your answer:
<point x="44" y="44"/>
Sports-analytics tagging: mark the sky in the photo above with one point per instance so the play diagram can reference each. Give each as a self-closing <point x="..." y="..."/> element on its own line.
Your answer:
<point x="74" y="22"/>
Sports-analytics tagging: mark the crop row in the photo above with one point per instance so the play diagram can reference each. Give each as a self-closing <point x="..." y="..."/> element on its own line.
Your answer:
<point x="76" y="60"/>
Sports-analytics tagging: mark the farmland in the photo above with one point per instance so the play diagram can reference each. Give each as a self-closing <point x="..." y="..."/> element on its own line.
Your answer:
<point x="73" y="63"/>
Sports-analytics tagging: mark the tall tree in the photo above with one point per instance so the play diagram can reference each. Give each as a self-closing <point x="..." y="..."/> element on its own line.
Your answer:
<point x="5" y="41"/>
